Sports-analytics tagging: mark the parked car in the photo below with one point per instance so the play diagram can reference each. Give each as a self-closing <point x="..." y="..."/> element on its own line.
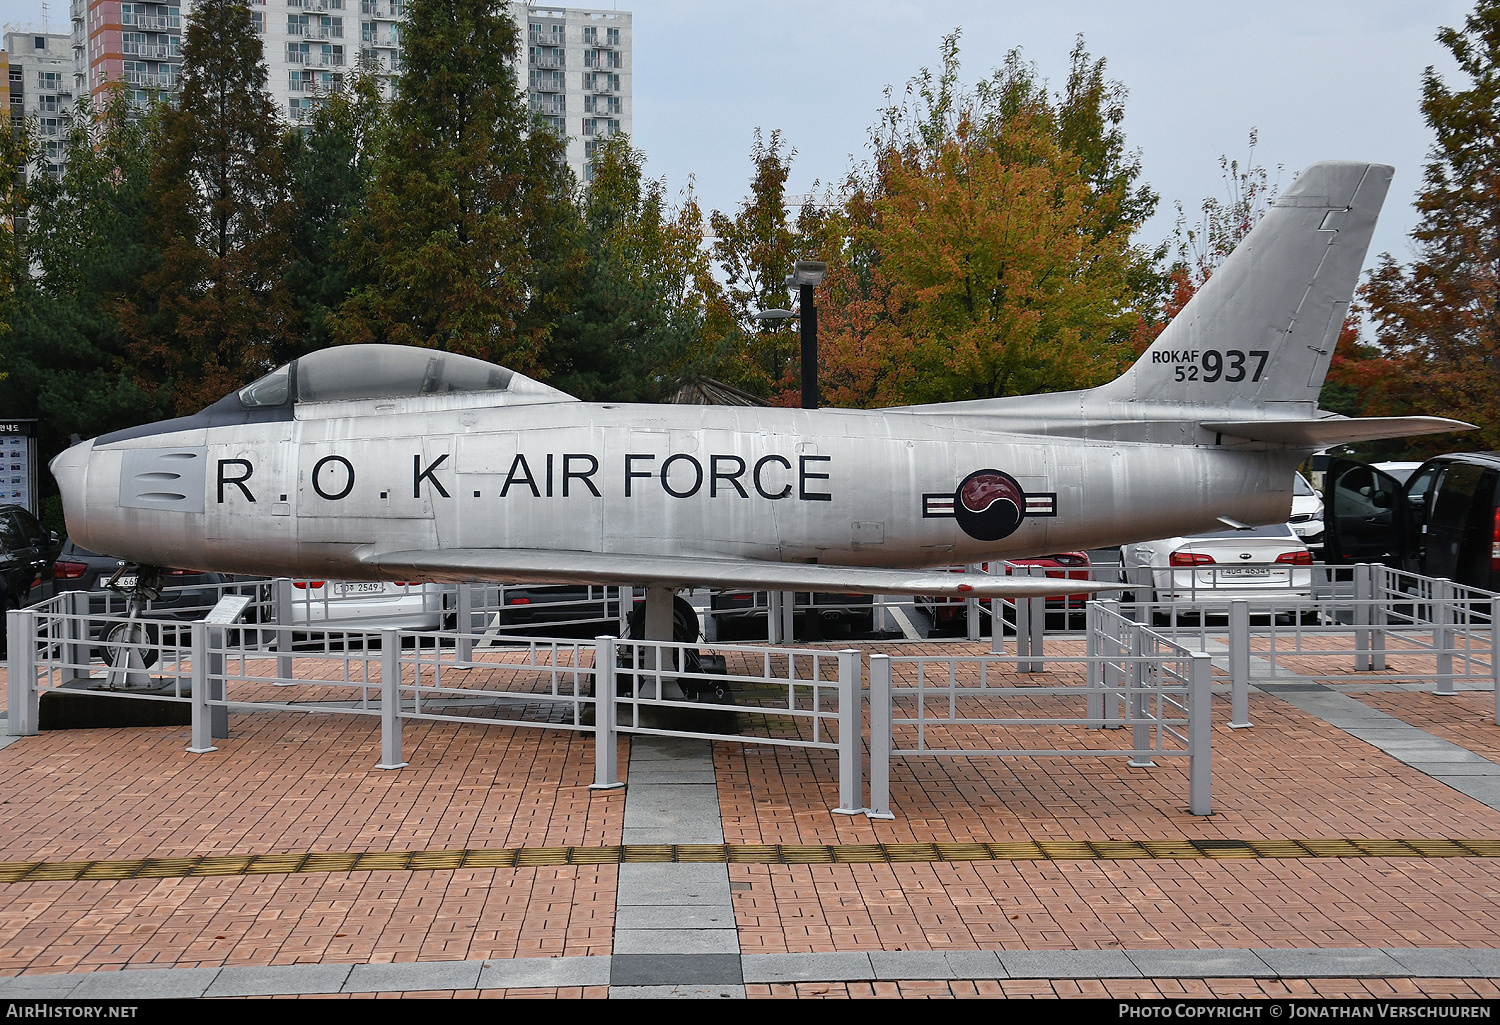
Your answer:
<point x="742" y="614"/>
<point x="369" y="604"/>
<point x="1443" y="521"/>
<point x="1307" y="513"/>
<point x="947" y="611"/>
<point x="561" y="608"/>
<point x="189" y="593"/>
<point x="26" y="555"/>
<point x="1257" y="563"/>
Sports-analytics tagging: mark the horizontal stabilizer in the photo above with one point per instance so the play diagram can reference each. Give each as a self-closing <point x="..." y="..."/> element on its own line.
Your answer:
<point x="1335" y="430"/>
<point x="529" y="565"/>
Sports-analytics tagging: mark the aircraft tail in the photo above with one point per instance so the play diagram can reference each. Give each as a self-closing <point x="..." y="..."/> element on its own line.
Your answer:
<point x="1260" y="333"/>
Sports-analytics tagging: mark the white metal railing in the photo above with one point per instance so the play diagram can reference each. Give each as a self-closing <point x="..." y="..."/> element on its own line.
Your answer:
<point x="1130" y="677"/>
<point x="795" y="697"/>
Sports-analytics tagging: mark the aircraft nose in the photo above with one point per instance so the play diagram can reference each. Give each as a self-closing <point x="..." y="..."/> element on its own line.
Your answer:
<point x="71" y="470"/>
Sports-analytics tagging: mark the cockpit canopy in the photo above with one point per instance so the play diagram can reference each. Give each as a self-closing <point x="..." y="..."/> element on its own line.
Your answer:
<point x="355" y="372"/>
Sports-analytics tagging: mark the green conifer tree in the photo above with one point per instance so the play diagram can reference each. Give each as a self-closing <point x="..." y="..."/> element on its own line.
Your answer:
<point x="469" y="239"/>
<point x="213" y="312"/>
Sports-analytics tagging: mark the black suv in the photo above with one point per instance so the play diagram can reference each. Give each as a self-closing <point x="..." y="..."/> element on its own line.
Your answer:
<point x="1443" y="522"/>
<point x="26" y="554"/>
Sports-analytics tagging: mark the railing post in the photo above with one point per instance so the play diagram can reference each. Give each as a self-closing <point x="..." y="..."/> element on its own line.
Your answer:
<point x="1239" y="664"/>
<point x="284" y="598"/>
<point x="1495" y="661"/>
<point x="789" y="615"/>
<point x="390" y="700"/>
<point x="75" y="653"/>
<point x="198" y="638"/>
<point x="1200" y="734"/>
<point x="463" y="647"/>
<point x="851" y="734"/>
<point x="1111" y="648"/>
<point x="773" y="617"/>
<point x="1037" y="621"/>
<point x="606" y="747"/>
<point x="1379" y="589"/>
<point x="971" y="608"/>
<point x="880" y="738"/>
<point x="1094" y="701"/>
<point x="997" y="615"/>
<point x="1362" y="598"/>
<point x="23" y="700"/>
<point x="1136" y="677"/>
<point x="1442" y="634"/>
<point x="218" y="715"/>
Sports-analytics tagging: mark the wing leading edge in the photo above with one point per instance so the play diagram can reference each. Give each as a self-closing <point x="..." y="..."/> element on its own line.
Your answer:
<point x="522" y="565"/>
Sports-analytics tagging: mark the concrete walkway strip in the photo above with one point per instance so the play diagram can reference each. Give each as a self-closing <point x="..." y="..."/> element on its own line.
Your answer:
<point x="716" y="976"/>
<point x="675" y="932"/>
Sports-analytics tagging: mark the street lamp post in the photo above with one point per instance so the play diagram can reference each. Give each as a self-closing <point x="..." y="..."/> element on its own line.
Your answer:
<point x="806" y="275"/>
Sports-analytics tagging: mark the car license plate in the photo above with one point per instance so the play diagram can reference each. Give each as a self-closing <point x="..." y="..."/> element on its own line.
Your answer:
<point x="359" y="588"/>
<point x="126" y="582"/>
<point x="1242" y="572"/>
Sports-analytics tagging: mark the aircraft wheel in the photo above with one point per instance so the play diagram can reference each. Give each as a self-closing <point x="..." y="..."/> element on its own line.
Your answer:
<point x="684" y="631"/>
<point x="131" y="639"/>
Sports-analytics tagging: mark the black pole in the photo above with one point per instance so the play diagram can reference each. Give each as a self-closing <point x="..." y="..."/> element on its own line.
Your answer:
<point x="809" y="349"/>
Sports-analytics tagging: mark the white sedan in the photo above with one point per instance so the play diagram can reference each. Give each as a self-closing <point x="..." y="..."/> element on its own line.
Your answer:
<point x="1260" y="564"/>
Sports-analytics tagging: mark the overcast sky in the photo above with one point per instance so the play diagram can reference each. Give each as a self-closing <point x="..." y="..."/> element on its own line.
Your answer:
<point x="1320" y="79"/>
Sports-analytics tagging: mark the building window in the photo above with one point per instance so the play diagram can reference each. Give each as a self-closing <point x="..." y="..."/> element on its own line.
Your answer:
<point x="41" y="42"/>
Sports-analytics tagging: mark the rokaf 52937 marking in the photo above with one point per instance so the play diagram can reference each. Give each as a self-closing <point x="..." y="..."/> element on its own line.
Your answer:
<point x="1210" y="365"/>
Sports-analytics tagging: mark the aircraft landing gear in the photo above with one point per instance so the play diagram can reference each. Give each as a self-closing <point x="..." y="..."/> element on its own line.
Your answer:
<point x="684" y="630"/>
<point x="130" y="649"/>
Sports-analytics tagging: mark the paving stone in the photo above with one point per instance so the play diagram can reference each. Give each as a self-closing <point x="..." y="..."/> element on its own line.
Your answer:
<point x="1068" y="964"/>
<point x="691" y="916"/>
<point x="910" y="964"/>
<point x="1337" y="962"/>
<point x="1440" y="964"/>
<point x="278" y="979"/>
<point x="820" y="966"/>
<point x="974" y="964"/>
<point x="147" y="984"/>
<point x="40" y="987"/>
<point x="676" y="941"/>
<point x="677" y="992"/>
<point x="413" y="976"/>
<point x="675" y="969"/>
<point x="660" y="884"/>
<point x="544" y="972"/>
<point x="1199" y="964"/>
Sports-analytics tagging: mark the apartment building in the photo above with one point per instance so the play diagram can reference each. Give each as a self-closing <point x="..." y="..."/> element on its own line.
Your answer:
<point x="576" y="62"/>
<point x="38" y="84"/>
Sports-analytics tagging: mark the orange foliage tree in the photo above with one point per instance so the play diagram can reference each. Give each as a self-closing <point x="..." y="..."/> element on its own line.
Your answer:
<point x="987" y="248"/>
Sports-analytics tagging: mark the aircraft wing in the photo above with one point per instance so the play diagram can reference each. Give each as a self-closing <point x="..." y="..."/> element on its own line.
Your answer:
<point x="1335" y="430"/>
<point x="522" y="565"/>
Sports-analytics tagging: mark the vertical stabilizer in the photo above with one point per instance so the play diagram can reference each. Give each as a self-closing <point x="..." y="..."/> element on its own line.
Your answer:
<point x="1260" y="333"/>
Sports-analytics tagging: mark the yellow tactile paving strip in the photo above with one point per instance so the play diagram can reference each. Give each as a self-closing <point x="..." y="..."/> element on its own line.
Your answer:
<point x="738" y="854"/>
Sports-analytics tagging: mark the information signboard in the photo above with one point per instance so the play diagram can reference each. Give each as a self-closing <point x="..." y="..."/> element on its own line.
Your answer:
<point x="18" y="459"/>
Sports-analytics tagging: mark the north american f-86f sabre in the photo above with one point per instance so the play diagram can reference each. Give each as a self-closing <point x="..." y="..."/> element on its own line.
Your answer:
<point x="376" y="461"/>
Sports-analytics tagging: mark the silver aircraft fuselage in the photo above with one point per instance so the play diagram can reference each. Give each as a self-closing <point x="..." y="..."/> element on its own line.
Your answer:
<point x="317" y="494"/>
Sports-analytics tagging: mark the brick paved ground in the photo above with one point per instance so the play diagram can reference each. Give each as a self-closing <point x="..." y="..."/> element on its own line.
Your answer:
<point x="299" y="782"/>
<point x="296" y="782"/>
<point x="1290" y="776"/>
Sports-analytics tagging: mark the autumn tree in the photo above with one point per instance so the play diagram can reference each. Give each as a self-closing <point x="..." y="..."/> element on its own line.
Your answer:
<point x="755" y="248"/>
<point x="988" y="245"/>
<point x="636" y="326"/>
<point x="212" y="312"/>
<point x="468" y="238"/>
<point x="1438" y="320"/>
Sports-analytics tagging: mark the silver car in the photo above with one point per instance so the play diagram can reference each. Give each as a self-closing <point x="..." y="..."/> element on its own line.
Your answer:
<point x="1260" y="564"/>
